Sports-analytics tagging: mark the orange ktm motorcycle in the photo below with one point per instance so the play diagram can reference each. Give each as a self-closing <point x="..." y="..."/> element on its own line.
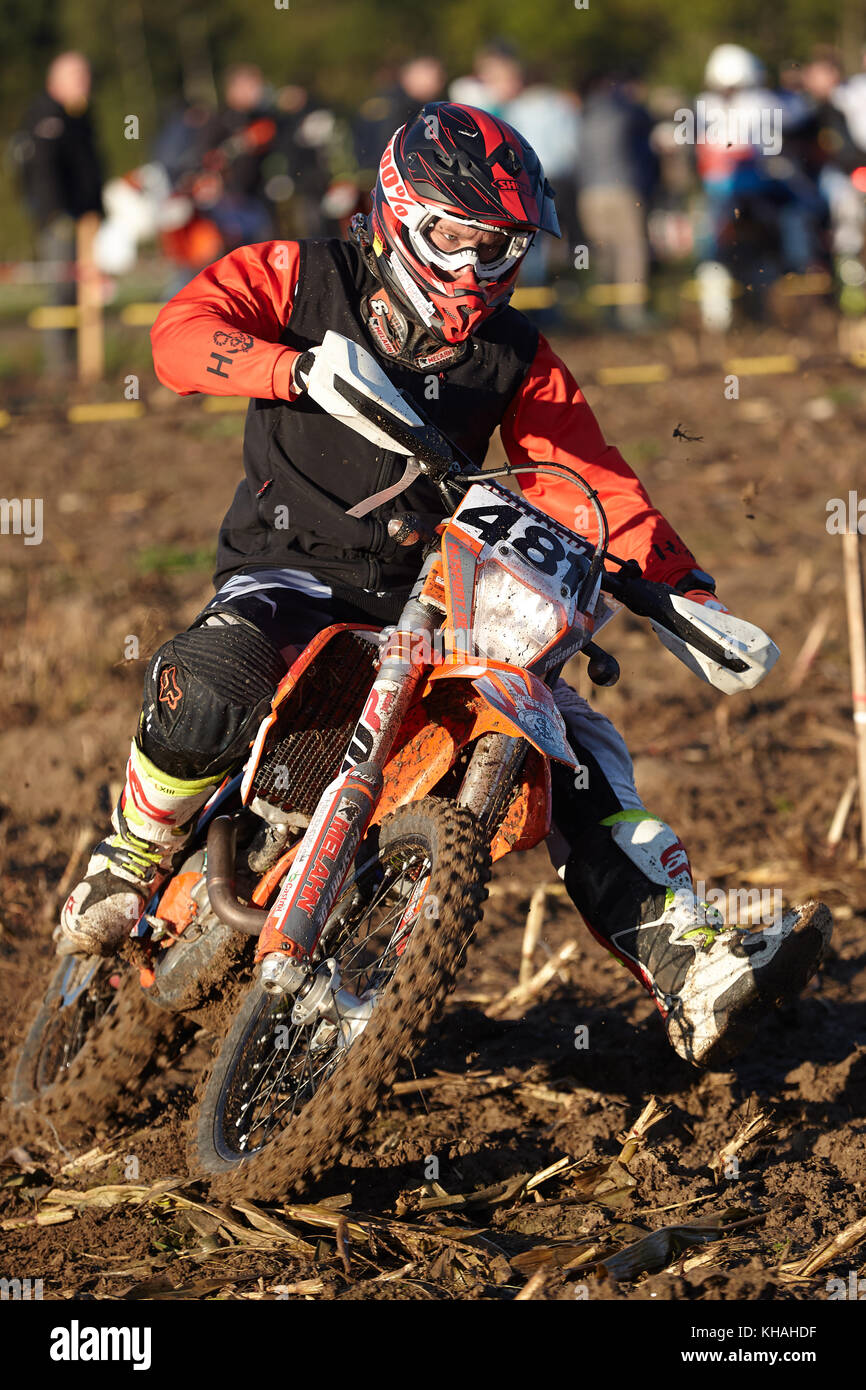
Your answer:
<point x="325" y="905"/>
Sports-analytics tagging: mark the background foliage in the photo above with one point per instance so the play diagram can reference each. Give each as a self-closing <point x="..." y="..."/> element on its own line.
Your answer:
<point x="146" y="52"/>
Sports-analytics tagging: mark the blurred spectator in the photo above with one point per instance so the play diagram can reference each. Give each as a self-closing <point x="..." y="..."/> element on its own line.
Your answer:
<point x="420" y="80"/>
<point x="830" y="154"/>
<point x="617" y="174"/>
<point x="548" y="118"/>
<point x="61" y="178"/>
<point x="770" y="198"/>
<point x="182" y="141"/>
<point x="216" y="164"/>
<point x="299" y="169"/>
<point x="827" y="122"/>
<point x="240" y="138"/>
<point x="791" y="78"/>
<point x="766" y="214"/>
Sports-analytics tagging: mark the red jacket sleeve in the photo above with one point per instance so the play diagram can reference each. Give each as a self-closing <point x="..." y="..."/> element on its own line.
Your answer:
<point x="549" y="421"/>
<point x="220" y="334"/>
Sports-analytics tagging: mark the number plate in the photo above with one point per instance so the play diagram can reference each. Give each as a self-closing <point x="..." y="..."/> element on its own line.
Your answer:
<point x="500" y="519"/>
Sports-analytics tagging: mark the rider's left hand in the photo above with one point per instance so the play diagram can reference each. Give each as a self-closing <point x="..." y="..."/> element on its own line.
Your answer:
<point x="707" y="598"/>
<point x="700" y="588"/>
<point x="301" y="368"/>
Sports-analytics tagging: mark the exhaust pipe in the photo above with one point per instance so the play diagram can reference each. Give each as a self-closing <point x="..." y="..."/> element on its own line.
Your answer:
<point x="221" y="843"/>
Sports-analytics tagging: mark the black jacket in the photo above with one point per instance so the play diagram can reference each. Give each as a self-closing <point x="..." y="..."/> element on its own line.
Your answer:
<point x="61" y="174"/>
<point x="304" y="469"/>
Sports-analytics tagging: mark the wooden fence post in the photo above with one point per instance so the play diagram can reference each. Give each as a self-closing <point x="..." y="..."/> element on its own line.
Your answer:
<point x="91" y="352"/>
<point x="857" y="647"/>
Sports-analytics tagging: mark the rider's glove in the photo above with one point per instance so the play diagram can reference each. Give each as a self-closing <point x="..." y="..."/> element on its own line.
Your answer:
<point x="700" y="587"/>
<point x="708" y="599"/>
<point x="301" y="368"/>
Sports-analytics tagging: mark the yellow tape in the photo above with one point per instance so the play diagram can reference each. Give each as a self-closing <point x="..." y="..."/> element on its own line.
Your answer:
<point x="139" y="315"/>
<point x="626" y="376"/>
<point x="104" y="410"/>
<point x="817" y="282"/>
<point x="691" y="289"/>
<point x="621" y="293"/>
<point x="54" y="316"/>
<point x="5" y="419"/>
<point x="534" y="297"/>
<point x="217" y="405"/>
<point x="762" y="366"/>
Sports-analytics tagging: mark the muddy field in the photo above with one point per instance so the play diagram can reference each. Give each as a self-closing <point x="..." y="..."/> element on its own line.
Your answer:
<point x="501" y="1093"/>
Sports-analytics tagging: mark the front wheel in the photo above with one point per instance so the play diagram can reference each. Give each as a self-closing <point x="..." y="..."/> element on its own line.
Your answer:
<point x="292" y="1081"/>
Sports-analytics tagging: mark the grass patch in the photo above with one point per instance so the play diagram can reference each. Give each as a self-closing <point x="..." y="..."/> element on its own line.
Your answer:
<point x="643" y="450"/>
<point x="173" y="559"/>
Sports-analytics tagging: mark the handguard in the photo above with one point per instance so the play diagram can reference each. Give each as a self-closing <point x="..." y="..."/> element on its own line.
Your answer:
<point x="348" y="383"/>
<point x="719" y="648"/>
<point x="341" y="360"/>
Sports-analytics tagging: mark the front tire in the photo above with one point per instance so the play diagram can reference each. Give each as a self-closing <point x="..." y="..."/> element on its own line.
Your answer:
<point x="269" y="1123"/>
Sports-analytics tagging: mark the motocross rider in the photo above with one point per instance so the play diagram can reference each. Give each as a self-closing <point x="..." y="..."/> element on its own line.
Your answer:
<point x="426" y="281"/>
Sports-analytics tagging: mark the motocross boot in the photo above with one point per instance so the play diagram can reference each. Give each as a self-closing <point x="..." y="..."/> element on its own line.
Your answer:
<point x="711" y="982"/>
<point x="152" y="823"/>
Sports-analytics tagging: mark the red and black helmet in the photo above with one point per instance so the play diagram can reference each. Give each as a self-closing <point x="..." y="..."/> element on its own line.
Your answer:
<point x="462" y="164"/>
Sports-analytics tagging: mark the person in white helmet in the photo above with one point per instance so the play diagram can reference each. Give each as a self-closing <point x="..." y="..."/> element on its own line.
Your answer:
<point x="739" y="132"/>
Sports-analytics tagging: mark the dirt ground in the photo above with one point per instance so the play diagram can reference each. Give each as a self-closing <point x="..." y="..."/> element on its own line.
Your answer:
<point x="751" y="783"/>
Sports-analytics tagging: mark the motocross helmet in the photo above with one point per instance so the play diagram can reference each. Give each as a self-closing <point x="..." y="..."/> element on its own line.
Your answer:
<point x="462" y="164"/>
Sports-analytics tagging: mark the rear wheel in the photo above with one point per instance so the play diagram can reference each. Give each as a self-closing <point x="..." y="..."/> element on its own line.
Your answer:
<point x="91" y="1037"/>
<point x="295" y="1077"/>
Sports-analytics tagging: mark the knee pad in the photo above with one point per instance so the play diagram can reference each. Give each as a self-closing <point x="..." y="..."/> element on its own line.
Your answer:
<point x="205" y="693"/>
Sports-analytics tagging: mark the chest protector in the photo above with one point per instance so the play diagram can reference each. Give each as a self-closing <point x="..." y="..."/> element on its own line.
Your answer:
<point x="304" y="470"/>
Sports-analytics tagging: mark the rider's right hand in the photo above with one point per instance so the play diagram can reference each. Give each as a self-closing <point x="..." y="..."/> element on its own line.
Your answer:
<point x="301" y="368"/>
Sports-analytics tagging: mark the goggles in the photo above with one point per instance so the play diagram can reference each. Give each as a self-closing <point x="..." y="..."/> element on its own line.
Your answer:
<point x="514" y="247"/>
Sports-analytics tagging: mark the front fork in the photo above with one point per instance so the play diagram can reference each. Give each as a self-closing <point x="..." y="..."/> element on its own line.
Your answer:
<point x="295" y="922"/>
<point x="495" y="763"/>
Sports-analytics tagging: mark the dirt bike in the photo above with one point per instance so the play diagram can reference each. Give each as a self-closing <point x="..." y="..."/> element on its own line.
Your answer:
<point x="325" y="903"/>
